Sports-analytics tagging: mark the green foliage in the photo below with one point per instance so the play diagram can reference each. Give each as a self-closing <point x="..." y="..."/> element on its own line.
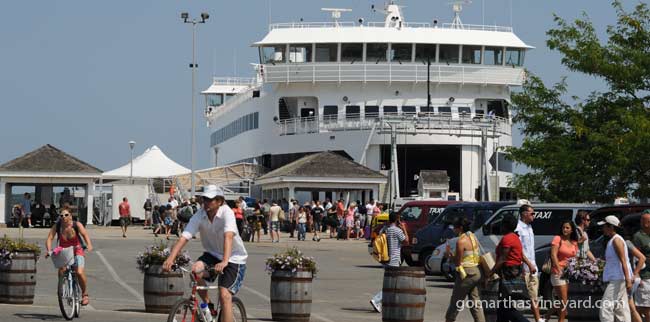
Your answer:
<point x="157" y="254"/>
<point x="594" y="149"/>
<point x="9" y="247"/>
<point x="291" y="260"/>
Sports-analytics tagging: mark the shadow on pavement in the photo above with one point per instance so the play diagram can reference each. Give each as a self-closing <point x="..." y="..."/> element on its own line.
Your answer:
<point x="138" y="311"/>
<point x="370" y="266"/>
<point x="36" y="316"/>
<point x="359" y="309"/>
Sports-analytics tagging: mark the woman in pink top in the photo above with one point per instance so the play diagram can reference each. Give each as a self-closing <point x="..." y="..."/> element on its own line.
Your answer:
<point x="349" y="219"/>
<point x="563" y="247"/>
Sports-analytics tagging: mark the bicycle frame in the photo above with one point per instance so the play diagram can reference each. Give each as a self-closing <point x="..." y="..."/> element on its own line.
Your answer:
<point x="194" y="278"/>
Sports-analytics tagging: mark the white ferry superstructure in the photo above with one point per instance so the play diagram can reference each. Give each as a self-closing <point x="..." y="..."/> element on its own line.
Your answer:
<point x="347" y="86"/>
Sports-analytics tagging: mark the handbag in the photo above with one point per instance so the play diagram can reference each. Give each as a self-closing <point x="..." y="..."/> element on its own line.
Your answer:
<point x="281" y="215"/>
<point x="512" y="285"/>
<point x="547" y="267"/>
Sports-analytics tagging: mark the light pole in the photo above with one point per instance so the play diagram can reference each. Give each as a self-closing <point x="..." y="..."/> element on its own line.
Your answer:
<point x="186" y="19"/>
<point x="131" y="145"/>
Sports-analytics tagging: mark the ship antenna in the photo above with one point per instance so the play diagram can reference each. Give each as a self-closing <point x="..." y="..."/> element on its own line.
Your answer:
<point x="336" y="13"/>
<point x="457" y="7"/>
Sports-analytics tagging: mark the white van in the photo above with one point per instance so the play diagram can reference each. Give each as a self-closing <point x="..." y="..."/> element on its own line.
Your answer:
<point x="547" y="223"/>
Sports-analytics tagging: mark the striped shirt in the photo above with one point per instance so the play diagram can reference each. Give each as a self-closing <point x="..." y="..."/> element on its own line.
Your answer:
<point x="394" y="236"/>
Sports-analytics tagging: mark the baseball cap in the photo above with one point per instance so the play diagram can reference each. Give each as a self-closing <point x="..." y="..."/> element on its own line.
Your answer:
<point x="212" y="191"/>
<point x="647" y="211"/>
<point x="612" y="220"/>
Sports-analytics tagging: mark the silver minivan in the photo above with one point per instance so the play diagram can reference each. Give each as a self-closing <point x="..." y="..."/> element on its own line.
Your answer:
<point x="548" y="219"/>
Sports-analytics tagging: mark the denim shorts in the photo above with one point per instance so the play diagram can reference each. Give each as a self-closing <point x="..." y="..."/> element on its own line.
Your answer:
<point x="79" y="261"/>
<point x="275" y="226"/>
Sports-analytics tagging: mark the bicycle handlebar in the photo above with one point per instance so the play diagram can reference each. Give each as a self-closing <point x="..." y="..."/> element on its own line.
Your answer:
<point x="210" y="270"/>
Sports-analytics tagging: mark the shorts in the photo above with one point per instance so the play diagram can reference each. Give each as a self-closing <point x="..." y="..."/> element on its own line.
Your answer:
<point x="125" y="221"/>
<point x="532" y="284"/>
<point x="317" y="225"/>
<point x="168" y="221"/>
<point x="79" y="261"/>
<point x="557" y="280"/>
<point x="28" y="215"/>
<point x="147" y="214"/>
<point x="642" y="294"/>
<point x="232" y="276"/>
<point x="275" y="226"/>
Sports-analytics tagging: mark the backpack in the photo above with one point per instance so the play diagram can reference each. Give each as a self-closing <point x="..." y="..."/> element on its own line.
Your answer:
<point x="76" y="230"/>
<point x="185" y="214"/>
<point x="380" y="248"/>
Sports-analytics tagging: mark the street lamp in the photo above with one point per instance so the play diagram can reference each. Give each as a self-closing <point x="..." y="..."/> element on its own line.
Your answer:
<point x="186" y="19"/>
<point x="131" y="145"/>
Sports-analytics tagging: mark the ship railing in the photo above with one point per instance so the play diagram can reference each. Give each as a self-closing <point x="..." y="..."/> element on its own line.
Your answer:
<point x="393" y="72"/>
<point x="237" y="99"/>
<point x="420" y="123"/>
<point x="381" y="24"/>
<point x="235" y="81"/>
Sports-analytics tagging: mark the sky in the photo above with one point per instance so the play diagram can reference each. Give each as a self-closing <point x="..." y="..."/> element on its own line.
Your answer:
<point x="90" y="76"/>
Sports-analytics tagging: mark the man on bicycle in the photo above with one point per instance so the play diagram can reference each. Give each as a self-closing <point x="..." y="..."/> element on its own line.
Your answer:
<point x="224" y="249"/>
<point x="70" y="234"/>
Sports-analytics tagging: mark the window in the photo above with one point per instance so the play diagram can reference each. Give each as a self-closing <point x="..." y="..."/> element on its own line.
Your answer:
<point x="243" y="124"/>
<point x="300" y="53"/>
<point x="549" y="221"/>
<point x="479" y="216"/>
<point x="464" y="111"/>
<point x="330" y="112"/>
<point x="215" y="99"/>
<point x="424" y="52"/>
<point x="448" y="215"/>
<point x="326" y="52"/>
<point x="408" y="110"/>
<point x="273" y="54"/>
<point x="471" y="54"/>
<point x="371" y="111"/>
<point x="426" y="109"/>
<point x="401" y="52"/>
<point x="494" y="226"/>
<point x="376" y="52"/>
<point x="411" y="213"/>
<point x="444" y="110"/>
<point x="448" y="54"/>
<point x="493" y="56"/>
<point x="352" y="112"/>
<point x="351" y="52"/>
<point x="514" y="56"/>
<point x="390" y="110"/>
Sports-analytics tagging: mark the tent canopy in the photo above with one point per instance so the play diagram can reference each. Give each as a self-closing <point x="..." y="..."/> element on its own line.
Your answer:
<point x="153" y="163"/>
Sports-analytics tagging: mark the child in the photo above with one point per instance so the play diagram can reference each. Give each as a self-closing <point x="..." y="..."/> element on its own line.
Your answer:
<point x="358" y="232"/>
<point x="169" y="221"/>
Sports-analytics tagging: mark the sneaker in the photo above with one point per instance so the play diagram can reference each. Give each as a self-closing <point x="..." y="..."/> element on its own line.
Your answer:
<point x="541" y="320"/>
<point x="31" y="226"/>
<point x="375" y="306"/>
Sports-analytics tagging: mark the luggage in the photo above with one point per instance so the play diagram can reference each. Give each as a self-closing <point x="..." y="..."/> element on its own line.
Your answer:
<point x="341" y="233"/>
<point x="366" y="232"/>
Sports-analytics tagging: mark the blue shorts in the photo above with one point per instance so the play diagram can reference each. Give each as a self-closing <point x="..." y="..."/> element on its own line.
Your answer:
<point x="79" y="261"/>
<point x="275" y="226"/>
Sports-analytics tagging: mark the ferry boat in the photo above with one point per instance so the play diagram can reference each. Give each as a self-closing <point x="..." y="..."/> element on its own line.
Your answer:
<point x="436" y="96"/>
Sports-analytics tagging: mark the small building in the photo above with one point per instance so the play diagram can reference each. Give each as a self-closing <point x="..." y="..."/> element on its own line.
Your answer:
<point x="56" y="178"/>
<point x="433" y="184"/>
<point x="319" y="176"/>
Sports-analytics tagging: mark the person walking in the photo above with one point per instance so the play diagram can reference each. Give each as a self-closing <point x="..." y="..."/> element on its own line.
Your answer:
<point x="617" y="275"/>
<point x="125" y="215"/>
<point x="274" y="215"/>
<point x="527" y="238"/>
<point x="641" y="240"/>
<point x="349" y="220"/>
<point x="637" y="262"/>
<point x="147" y="213"/>
<point x="302" y="223"/>
<point x="239" y="216"/>
<point x="293" y="216"/>
<point x="582" y="222"/>
<point x="563" y="247"/>
<point x="317" y="213"/>
<point x="26" y="205"/>
<point x="157" y="221"/>
<point x="396" y="235"/>
<point x="467" y="258"/>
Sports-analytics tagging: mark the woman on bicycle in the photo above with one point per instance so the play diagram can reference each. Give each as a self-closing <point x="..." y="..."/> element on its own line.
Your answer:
<point x="72" y="233"/>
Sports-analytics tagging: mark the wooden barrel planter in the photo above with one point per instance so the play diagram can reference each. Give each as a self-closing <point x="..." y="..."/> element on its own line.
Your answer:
<point x="291" y="296"/>
<point x="489" y="300"/>
<point x="403" y="294"/>
<point x="18" y="279"/>
<point x="161" y="290"/>
<point x="584" y="298"/>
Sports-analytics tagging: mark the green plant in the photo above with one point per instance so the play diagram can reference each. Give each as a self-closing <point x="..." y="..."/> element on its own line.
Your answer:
<point x="157" y="254"/>
<point x="10" y="246"/>
<point x="291" y="260"/>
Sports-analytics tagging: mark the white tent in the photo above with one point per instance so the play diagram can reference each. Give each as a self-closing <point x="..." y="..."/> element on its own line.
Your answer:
<point x="153" y="163"/>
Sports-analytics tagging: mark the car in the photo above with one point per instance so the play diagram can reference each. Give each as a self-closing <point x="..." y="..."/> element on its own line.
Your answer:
<point x="620" y="211"/>
<point x="427" y="239"/>
<point x="439" y="262"/>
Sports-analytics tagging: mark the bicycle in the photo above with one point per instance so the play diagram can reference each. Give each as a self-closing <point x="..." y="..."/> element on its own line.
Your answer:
<point x="68" y="288"/>
<point x="188" y="309"/>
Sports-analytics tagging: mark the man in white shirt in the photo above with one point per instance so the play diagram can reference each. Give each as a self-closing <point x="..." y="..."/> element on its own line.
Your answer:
<point x="527" y="238"/>
<point x="224" y="249"/>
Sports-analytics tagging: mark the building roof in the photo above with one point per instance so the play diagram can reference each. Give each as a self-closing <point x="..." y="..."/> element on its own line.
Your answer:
<point x="324" y="164"/>
<point x="48" y="159"/>
<point x="439" y="177"/>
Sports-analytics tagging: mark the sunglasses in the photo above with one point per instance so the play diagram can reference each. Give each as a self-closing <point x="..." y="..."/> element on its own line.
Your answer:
<point x="66" y="215"/>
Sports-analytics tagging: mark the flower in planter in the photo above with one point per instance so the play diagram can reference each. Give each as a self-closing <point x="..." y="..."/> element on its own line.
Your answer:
<point x="584" y="270"/>
<point x="291" y="260"/>
<point x="157" y="254"/>
<point x="9" y="247"/>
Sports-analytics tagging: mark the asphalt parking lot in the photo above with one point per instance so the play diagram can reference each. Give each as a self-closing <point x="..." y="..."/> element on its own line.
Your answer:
<point x="347" y="279"/>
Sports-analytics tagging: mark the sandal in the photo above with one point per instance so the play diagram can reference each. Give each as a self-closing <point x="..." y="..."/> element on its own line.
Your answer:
<point x="85" y="300"/>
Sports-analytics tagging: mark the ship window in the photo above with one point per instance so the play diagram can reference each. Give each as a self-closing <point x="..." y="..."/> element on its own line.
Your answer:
<point x="444" y="109"/>
<point x="493" y="56"/>
<point x="514" y="56"/>
<point x="300" y="53"/>
<point x="215" y="99"/>
<point x="448" y="54"/>
<point x="471" y="54"/>
<point x="408" y="110"/>
<point x="330" y="112"/>
<point x="390" y="110"/>
<point x="423" y="52"/>
<point x="326" y="52"/>
<point x="426" y="109"/>
<point x="371" y="111"/>
<point x="376" y="52"/>
<point x="464" y="110"/>
<point x="352" y="52"/>
<point x="352" y="112"/>
<point x="272" y="54"/>
<point x="401" y="52"/>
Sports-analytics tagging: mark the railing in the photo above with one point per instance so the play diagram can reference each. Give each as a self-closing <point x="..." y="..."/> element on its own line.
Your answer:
<point x="237" y="99"/>
<point x="392" y="72"/>
<point x="422" y="123"/>
<point x="235" y="81"/>
<point x="349" y="24"/>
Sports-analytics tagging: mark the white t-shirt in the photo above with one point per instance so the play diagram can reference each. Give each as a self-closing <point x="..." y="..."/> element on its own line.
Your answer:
<point x="212" y="233"/>
<point x="275" y="212"/>
<point x="173" y="203"/>
<point x="370" y="209"/>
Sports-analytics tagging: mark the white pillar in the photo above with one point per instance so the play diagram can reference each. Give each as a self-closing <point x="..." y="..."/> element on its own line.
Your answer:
<point x="90" y="199"/>
<point x="292" y="192"/>
<point x="470" y="171"/>
<point x="375" y="193"/>
<point x="3" y="206"/>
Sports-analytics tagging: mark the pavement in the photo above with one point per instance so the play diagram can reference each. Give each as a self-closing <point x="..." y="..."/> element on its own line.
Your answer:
<point x="348" y="277"/>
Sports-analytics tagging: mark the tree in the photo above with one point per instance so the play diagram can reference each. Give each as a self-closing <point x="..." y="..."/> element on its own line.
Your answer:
<point x="598" y="148"/>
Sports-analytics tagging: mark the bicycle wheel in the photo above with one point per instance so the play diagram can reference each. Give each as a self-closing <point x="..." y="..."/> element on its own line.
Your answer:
<point x="238" y="310"/>
<point x="77" y="298"/>
<point x="65" y="295"/>
<point x="182" y="311"/>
